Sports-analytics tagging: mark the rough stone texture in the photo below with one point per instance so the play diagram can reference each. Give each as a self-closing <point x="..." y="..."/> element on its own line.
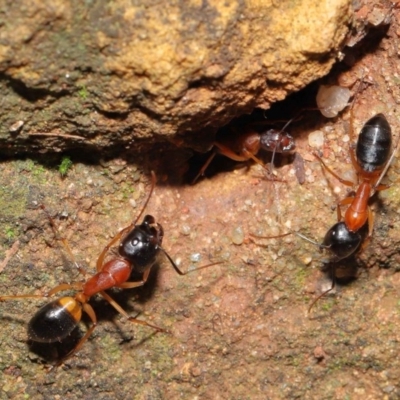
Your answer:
<point x="116" y="72"/>
<point x="239" y="330"/>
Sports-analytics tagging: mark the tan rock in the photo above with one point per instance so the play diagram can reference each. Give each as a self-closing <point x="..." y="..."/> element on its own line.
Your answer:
<point x="114" y="73"/>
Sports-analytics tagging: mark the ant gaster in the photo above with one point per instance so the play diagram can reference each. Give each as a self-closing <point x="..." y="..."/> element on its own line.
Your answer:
<point x="245" y="145"/>
<point x="138" y="251"/>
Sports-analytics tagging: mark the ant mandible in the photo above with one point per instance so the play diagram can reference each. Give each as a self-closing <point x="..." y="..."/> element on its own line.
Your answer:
<point x="371" y="159"/>
<point x="245" y="145"/>
<point x="339" y="241"/>
<point x="137" y="251"/>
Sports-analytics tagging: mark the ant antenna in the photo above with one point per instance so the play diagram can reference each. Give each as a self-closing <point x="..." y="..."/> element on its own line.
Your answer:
<point x="333" y="275"/>
<point x="153" y="184"/>
<point x="118" y="236"/>
<point x="179" y="271"/>
<point x="300" y="235"/>
<point x="274" y="152"/>
<point x="388" y="164"/>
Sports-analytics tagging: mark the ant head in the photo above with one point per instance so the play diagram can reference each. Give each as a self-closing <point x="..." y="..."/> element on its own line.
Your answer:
<point x="341" y="242"/>
<point x="142" y="244"/>
<point x="287" y="143"/>
<point x="277" y="141"/>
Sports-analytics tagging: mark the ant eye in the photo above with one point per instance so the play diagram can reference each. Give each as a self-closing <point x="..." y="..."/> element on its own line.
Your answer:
<point x="135" y="242"/>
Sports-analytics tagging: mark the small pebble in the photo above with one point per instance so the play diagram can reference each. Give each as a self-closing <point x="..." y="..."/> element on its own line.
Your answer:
<point x="316" y="139"/>
<point x="237" y="236"/>
<point x="16" y="126"/>
<point x="185" y="229"/>
<point x="132" y="203"/>
<point x="195" y="257"/>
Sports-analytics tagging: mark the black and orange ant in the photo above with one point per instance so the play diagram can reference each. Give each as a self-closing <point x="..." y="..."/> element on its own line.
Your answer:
<point x="245" y="145"/>
<point x="371" y="159"/>
<point x="138" y="250"/>
<point x="339" y="241"/>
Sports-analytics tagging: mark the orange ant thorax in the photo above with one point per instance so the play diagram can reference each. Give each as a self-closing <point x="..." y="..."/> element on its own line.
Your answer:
<point x="357" y="213"/>
<point x="114" y="273"/>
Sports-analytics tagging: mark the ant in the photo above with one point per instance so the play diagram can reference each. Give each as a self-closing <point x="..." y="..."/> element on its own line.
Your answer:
<point x="339" y="241"/>
<point x="138" y="250"/>
<point x="245" y="145"/>
<point x="371" y="159"/>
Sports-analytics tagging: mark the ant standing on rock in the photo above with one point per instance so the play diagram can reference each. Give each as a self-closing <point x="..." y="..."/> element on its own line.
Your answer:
<point x="371" y="159"/>
<point x="138" y="251"/>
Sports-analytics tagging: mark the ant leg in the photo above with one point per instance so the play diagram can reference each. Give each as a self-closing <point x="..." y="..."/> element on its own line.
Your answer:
<point x="131" y="319"/>
<point x="383" y="173"/>
<point x="180" y="272"/>
<point x="345" y="201"/>
<point x="226" y="151"/>
<point x="59" y="288"/>
<point x="117" y="237"/>
<point x="339" y="213"/>
<point x="64" y="286"/>
<point x="204" y="167"/>
<point x="22" y="296"/>
<point x="353" y="158"/>
<point x="92" y="315"/>
<point x="341" y="180"/>
<point x="270" y="237"/>
<point x="356" y="93"/>
<point x="269" y="168"/>
<point x="381" y="187"/>
<point x="255" y="159"/>
<point x="114" y="240"/>
<point x="63" y="241"/>
<point x="131" y="285"/>
<point x="247" y="155"/>
<point x="370" y="222"/>
<point x="333" y="272"/>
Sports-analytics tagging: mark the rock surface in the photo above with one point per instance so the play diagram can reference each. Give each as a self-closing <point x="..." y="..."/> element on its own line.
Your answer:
<point x="239" y="330"/>
<point x="96" y="75"/>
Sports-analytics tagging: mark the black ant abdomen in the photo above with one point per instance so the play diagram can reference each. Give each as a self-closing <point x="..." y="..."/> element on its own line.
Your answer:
<point x="55" y="320"/>
<point x="374" y="144"/>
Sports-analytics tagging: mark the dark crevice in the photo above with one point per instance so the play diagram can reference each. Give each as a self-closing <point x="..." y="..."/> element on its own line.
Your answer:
<point x="114" y="115"/>
<point x="31" y="94"/>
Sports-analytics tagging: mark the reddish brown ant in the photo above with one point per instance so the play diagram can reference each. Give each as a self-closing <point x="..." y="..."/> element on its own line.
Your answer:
<point x="137" y="252"/>
<point x="245" y="145"/>
<point x="371" y="159"/>
<point x="339" y="241"/>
